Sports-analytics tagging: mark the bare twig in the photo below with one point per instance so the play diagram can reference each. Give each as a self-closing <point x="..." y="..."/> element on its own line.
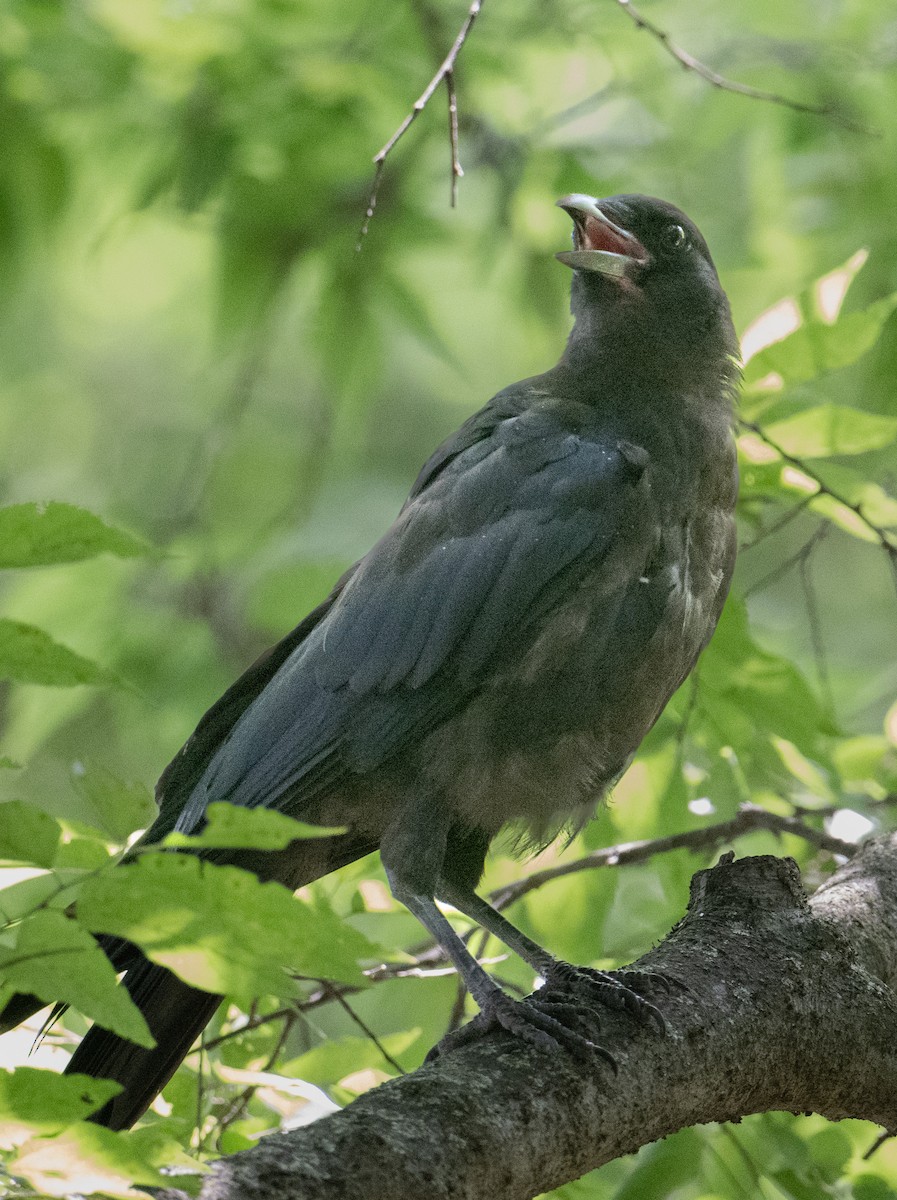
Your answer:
<point x="799" y="558"/>
<point x="816" y="637"/>
<point x="711" y="837"/>
<point x="689" y="63"/>
<point x="365" y="1029"/>
<point x="446" y="72"/>
<point x="778" y="525"/>
<point x="457" y="170"/>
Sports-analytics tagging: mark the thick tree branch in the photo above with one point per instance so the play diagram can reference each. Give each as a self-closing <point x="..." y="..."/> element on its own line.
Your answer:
<point x="787" y="1004"/>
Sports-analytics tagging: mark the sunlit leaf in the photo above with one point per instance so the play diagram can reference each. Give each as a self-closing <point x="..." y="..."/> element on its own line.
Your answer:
<point x="58" y="960"/>
<point x="831" y="429"/>
<point x="250" y="828"/>
<point x="88" y="1158"/>
<point x="219" y="928"/>
<point x="817" y="347"/>
<point x="35" y="1102"/>
<point x="114" y="808"/>
<point x="329" y="1062"/>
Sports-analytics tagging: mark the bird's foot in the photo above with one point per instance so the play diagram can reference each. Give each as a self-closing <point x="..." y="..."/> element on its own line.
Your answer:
<point x="617" y="989"/>
<point x="540" y="1021"/>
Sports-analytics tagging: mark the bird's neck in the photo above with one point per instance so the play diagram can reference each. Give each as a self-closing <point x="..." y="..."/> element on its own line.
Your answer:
<point x="625" y="358"/>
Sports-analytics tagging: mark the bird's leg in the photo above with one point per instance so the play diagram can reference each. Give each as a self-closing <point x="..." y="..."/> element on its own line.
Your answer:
<point x="617" y="989"/>
<point x="413" y="850"/>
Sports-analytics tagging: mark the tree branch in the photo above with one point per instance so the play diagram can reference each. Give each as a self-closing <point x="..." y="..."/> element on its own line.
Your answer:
<point x="749" y="817"/>
<point x="690" y="63"/>
<point x="789" y="1005"/>
<point x="446" y="72"/>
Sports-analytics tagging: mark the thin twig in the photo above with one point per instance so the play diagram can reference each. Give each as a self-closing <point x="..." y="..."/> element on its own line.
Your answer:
<point x="777" y="526"/>
<point x="238" y="1105"/>
<point x="797" y="559"/>
<point x="711" y="837"/>
<point x="365" y="1029"/>
<point x="690" y="63"/>
<point x="816" y="638"/>
<point x="457" y="170"/>
<point x="446" y="71"/>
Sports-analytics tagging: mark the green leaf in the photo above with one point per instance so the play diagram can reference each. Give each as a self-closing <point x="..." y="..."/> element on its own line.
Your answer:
<point x="43" y="1102"/>
<point x="229" y="825"/>
<point x="338" y="1057"/>
<point x="58" y="960"/>
<point x="37" y="534"/>
<point x="219" y="928"/>
<point x="9" y="764"/>
<point x="114" y="807"/>
<point x="830" y="429"/>
<point x="53" y="888"/>
<point x="742" y="684"/>
<point x="28" y="655"/>
<point x="27" y="835"/>
<point x="88" y="1158"/>
<point x="817" y="347"/>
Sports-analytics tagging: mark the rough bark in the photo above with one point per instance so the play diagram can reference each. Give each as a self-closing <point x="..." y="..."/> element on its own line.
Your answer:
<point x="787" y="1004"/>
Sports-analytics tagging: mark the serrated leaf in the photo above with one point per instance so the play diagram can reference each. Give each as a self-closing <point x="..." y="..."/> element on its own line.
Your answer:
<point x="37" y="534"/>
<point x="29" y="655"/>
<point x="58" y="960"/>
<point x="230" y="825"/>
<point x="27" y="835"/>
<point x="88" y="1158"/>
<point x="115" y="808"/>
<point x="831" y="429"/>
<point x="817" y="347"/>
<point x="35" y="1102"/>
<point x="219" y="928"/>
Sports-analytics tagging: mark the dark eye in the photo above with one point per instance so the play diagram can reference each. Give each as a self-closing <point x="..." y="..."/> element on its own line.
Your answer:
<point x="674" y="237"/>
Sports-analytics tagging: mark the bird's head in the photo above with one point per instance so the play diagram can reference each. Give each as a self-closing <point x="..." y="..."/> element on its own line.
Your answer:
<point x="643" y="274"/>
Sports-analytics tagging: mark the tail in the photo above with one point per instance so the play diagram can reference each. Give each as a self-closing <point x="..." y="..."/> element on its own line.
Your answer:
<point x="176" y="1014"/>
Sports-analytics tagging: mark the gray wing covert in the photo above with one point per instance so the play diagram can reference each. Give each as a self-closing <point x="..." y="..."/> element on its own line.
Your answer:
<point x="473" y="559"/>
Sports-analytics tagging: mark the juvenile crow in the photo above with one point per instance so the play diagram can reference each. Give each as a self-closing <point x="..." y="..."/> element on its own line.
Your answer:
<point x="500" y="653"/>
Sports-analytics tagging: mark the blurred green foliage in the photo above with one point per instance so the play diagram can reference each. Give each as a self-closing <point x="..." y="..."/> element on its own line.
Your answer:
<point x="191" y="348"/>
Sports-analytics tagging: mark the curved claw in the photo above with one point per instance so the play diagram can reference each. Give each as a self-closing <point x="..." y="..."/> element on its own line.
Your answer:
<point x="532" y="1021"/>
<point x="616" y="989"/>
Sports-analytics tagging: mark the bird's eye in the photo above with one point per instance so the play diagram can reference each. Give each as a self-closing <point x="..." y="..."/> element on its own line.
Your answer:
<point x="674" y="236"/>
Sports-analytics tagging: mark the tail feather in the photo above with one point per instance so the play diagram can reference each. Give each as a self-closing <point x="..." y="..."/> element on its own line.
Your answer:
<point x="176" y="1014"/>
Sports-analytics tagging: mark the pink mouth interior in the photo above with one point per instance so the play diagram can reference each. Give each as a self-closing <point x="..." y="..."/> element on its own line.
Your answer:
<point x="593" y="234"/>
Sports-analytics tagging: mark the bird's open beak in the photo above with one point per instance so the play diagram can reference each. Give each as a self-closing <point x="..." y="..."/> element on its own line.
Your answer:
<point x="598" y="243"/>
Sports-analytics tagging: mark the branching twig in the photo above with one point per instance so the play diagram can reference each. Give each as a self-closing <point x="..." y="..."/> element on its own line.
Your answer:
<point x="689" y="63"/>
<point x="882" y="535"/>
<point x="778" y="525"/>
<point x="446" y="72"/>
<point x="365" y="1029"/>
<point x="749" y="817"/>
<point x="798" y="558"/>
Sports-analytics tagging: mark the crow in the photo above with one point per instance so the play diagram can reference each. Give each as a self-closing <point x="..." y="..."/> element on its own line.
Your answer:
<point x="497" y="657"/>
